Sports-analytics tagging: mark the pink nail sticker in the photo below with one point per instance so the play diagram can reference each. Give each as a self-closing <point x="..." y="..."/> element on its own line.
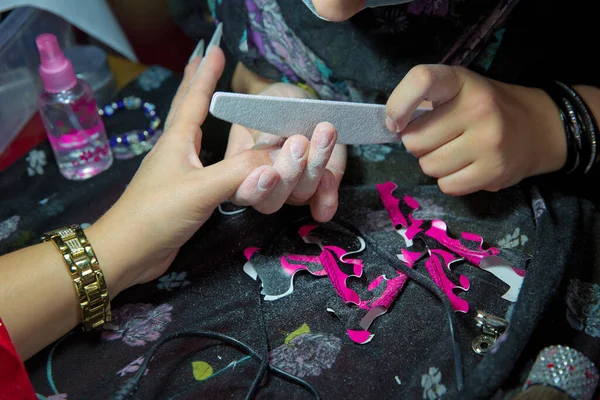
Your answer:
<point x="360" y="337"/>
<point x="438" y="231"/>
<point x="392" y="289"/>
<point x="249" y="252"/>
<point x="410" y="257"/>
<point x="436" y="271"/>
<point x="305" y="230"/>
<point x="392" y="204"/>
<point x="375" y="283"/>
<point x="338" y="278"/>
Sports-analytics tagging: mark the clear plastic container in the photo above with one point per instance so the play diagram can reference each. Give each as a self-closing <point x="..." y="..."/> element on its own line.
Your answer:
<point x="20" y="83"/>
<point x="76" y="132"/>
<point x="70" y="115"/>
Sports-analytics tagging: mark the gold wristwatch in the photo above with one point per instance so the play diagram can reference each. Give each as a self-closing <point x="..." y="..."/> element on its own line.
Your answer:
<point x="85" y="271"/>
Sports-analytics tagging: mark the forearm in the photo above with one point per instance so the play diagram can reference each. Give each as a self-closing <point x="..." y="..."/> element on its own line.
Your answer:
<point x="38" y="302"/>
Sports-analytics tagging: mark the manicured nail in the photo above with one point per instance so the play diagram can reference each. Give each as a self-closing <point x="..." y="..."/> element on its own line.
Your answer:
<point x="324" y="137"/>
<point x="268" y="141"/>
<point x="391" y="125"/>
<point x="216" y="37"/>
<point x="215" y="41"/>
<point x="298" y="148"/>
<point x="267" y="180"/>
<point x="199" y="50"/>
<point x="274" y="154"/>
<point x="329" y="181"/>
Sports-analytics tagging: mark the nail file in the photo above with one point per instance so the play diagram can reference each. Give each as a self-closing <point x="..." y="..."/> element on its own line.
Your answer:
<point x="356" y="123"/>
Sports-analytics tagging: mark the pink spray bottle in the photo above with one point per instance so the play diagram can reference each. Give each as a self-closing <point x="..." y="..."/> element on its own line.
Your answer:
<point x="70" y="115"/>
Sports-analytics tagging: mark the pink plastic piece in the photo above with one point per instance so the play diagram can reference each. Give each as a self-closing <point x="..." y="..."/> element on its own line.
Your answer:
<point x="449" y="258"/>
<point x="305" y="230"/>
<point x="392" y="204"/>
<point x="339" y="252"/>
<point x="411" y="257"/>
<point x="438" y="231"/>
<point x="55" y="69"/>
<point x="436" y="271"/>
<point x="374" y="283"/>
<point x="249" y="252"/>
<point x="293" y="268"/>
<point x="392" y="290"/>
<point x="338" y="278"/>
<point x="360" y="337"/>
<point x="290" y="268"/>
<point x="328" y="259"/>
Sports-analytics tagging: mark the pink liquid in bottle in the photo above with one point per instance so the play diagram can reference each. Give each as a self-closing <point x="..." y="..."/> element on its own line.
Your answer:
<point x="70" y="115"/>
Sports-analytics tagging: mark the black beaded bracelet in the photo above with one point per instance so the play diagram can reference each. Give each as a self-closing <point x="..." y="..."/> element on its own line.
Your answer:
<point x="588" y="121"/>
<point x="570" y="127"/>
<point x="580" y="126"/>
<point x="575" y="128"/>
<point x="572" y="153"/>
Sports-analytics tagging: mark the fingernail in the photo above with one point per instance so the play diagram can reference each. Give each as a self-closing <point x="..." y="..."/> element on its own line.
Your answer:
<point x="199" y="50"/>
<point x="215" y="41"/>
<point x="269" y="141"/>
<point x="267" y="180"/>
<point x="274" y="154"/>
<point x="261" y="146"/>
<point x="216" y="38"/>
<point x="298" y="148"/>
<point x="324" y="138"/>
<point x="326" y="182"/>
<point x="391" y="125"/>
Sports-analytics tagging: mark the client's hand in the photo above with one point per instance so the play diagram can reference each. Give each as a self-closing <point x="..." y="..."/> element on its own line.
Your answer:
<point x="172" y="193"/>
<point x="303" y="172"/>
<point x="482" y="134"/>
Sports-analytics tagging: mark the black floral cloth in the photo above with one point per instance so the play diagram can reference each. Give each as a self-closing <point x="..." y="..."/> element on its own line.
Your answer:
<point x="299" y="292"/>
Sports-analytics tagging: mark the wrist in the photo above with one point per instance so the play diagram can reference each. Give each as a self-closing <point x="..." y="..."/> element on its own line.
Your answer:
<point x="115" y="257"/>
<point x="130" y="245"/>
<point x="551" y="140"/>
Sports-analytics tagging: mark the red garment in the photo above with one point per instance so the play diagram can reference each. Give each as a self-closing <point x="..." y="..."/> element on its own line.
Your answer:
<point x="14" y="382"/>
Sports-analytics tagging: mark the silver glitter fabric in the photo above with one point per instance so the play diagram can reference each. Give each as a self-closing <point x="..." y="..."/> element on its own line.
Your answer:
<point x="565" y="369"/>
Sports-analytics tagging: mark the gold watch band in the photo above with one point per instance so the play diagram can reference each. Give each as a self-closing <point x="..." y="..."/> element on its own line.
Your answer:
<point x="85" y="271"/>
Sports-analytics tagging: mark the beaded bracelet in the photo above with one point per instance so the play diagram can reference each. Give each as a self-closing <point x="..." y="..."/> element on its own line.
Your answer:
<point x="132" y="143"/>
<point x="587" y="120"/>
<point x="580" y="127"/>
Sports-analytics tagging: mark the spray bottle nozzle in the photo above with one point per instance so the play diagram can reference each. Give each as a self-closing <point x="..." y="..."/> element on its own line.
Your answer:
<point x="55" y="69"/>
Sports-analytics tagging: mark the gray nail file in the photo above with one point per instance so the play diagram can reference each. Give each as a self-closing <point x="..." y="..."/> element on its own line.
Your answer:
<point x="356" y="123"/>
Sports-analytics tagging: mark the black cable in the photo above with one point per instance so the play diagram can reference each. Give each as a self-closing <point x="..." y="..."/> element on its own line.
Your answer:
<point x="264" y="363"/>
<point x="418" y="277"/>
<point x="428" y="284"/>
<point x="132" y="384"/>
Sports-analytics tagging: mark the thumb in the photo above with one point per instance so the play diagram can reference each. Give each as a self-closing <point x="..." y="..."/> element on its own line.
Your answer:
<point x="435" y="83"/>
<point x="221" y="180"/>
